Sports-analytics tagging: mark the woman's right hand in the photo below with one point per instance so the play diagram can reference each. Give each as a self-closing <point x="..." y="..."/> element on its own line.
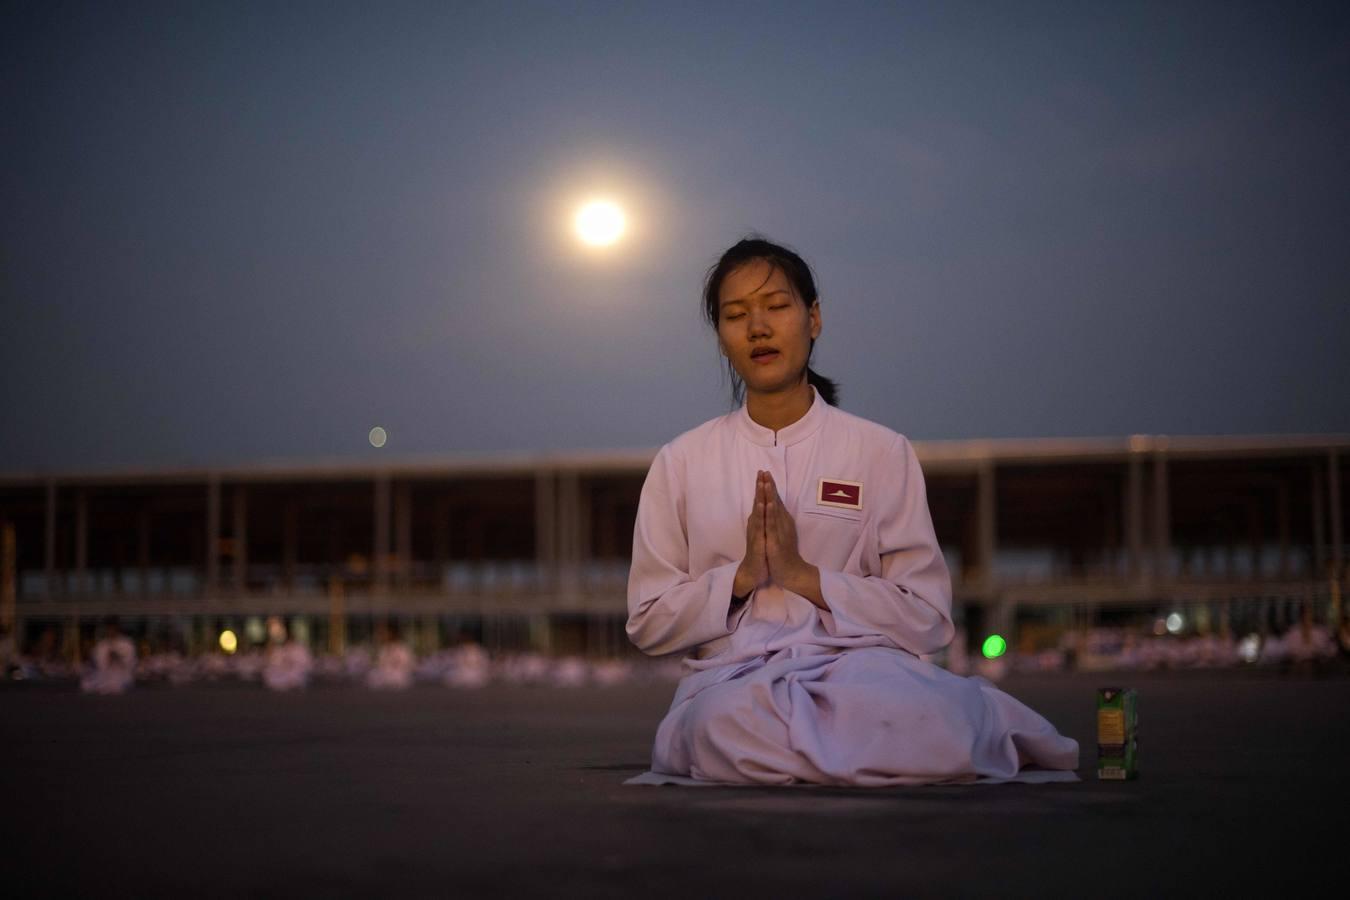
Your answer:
<point x="754" y="569"/>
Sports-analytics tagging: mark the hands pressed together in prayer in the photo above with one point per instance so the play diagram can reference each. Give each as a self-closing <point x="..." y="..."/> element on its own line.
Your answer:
<point x="771" y="555"/>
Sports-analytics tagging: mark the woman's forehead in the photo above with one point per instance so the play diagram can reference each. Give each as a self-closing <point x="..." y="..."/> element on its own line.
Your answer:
<point x="756" y="278"/>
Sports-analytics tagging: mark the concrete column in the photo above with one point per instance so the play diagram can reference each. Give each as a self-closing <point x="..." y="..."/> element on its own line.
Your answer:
<point x="239" y="529"/>
<point x="290" y="539"/>
<point x="403" y="534"/>
<point x="143" y="549"/>
<point x="1255" y="536"/>
<point x="583" y="547"/>
<point x="8" y="578"/>
<point x="545" y="525"/>
<point x="1282" y="526"/>
<point x="213" y="535"/>
<point x="1334" y="507"/>
<point x="337" y="616"/>
<point x="1134" y="517"/>
<point x="82" y="540"/>
<point x="441" y="537"/>
<point x="49" y="539"/>
<point x="1162" y="519"/>
<point x="568" y="521"/>
<point x="381" y="549"/>
<point x="1337" y="535"/>
<point x="986" y="517"/>
<point x="1319" y="553"/>
<point x="609" y="542"/>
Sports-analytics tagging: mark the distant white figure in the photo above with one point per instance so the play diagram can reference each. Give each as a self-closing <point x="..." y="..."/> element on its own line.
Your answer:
<point x="393" y="669"/>
<point x="249" y="665"/>
<point x="468" y="665"/>
<point x="609" y="672"/>
<point x="1308" y="643"/>
<point x="114" y="663"/>
<point x="993" y="670"/>
<point x="432" y="667"/>
<point x="166" y="665"/>
<point x="570" y="672"/>
<point x="526" y="668"/>
<point x="288" y="665"/>
<point x="327" y="665"/>
<point x="358" y="661"/>
<point x="1273" y="651"/>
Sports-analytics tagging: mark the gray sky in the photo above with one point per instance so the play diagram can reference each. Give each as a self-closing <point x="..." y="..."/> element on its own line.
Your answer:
<point x="236" y="232"/>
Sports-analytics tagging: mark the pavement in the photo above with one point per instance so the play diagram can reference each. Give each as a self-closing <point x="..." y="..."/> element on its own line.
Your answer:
<point x="511" y="791"/>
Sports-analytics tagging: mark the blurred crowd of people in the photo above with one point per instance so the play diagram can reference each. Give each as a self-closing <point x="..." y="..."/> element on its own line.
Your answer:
<point x="1307" y="647"/>
<point x="115" y="664"/>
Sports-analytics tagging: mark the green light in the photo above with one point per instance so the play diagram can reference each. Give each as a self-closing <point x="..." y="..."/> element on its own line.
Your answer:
<point x="994" y="646"/>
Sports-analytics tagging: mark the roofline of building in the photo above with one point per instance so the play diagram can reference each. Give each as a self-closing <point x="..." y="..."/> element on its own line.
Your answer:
<point x="940" y="454"/>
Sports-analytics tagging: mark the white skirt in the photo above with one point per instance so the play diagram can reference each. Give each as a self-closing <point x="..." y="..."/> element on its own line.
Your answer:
<point x="869" y="717"/>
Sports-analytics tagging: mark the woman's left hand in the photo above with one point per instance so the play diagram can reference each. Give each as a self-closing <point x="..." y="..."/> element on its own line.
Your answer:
<point x="786" y="566"/>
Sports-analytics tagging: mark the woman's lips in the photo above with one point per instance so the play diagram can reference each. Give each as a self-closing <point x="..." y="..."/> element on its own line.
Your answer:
<point x="765" y="357"/>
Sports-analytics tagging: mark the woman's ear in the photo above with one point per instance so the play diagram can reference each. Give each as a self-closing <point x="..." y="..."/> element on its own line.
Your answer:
<point x="814" y="315"/>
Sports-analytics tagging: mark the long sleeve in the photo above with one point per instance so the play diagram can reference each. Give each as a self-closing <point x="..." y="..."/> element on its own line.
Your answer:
<point x="910" y="601"/>
<point x="669" y="609"/>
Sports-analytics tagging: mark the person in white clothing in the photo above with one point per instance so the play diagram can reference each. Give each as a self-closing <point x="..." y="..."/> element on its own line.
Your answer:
<point x="787" y="547"/>
<point x="470" y="666"/>
<point x="287" y="665"/>
<point x="114" y="663"/>
<point x="393" y="669"/>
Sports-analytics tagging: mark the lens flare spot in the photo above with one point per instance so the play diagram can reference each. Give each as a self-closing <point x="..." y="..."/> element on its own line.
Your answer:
<point x="378" y="436"/>
<point x="994" y="646"/>
<point x="229" y="642"/>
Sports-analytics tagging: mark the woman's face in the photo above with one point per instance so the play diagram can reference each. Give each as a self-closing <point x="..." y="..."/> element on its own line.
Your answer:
<point x="765" y="328"/>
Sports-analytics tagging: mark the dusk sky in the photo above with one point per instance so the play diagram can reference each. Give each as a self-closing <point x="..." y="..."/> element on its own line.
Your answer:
<point x="236" y="232"/>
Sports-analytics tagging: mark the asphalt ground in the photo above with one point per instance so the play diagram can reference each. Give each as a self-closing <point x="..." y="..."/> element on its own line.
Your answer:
<point x="228" y="790"/>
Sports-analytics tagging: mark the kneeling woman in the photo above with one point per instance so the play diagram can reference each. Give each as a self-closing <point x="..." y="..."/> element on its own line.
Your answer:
<point x="788" y="547"/>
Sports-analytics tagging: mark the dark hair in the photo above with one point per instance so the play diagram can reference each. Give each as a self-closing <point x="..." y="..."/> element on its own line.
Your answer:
<point x="803" y="282"/>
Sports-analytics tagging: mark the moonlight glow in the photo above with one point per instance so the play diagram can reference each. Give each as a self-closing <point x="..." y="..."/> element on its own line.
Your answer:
<point x="600" y="223"/>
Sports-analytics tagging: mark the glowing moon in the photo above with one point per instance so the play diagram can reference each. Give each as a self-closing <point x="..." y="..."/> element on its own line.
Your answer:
<point x="600" y="223"/>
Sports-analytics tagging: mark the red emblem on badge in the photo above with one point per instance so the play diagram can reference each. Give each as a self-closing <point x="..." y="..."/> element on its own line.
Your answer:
<point x="844" y="494"/>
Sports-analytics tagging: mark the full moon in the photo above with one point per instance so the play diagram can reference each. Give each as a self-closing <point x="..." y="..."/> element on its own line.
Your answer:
<point x="600" y="223"/>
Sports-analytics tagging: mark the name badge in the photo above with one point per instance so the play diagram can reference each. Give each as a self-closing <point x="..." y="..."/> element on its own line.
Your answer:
<point x="839" y="493"/>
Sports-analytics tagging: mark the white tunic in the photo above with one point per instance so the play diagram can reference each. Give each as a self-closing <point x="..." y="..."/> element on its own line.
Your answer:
<point x="780" y="691"/>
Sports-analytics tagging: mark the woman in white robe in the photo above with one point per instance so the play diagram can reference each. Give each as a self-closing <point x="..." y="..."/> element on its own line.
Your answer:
<point x="788" y="548"/>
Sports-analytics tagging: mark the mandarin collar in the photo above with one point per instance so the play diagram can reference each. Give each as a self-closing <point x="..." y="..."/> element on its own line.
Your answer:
<point x="799" y="430"/>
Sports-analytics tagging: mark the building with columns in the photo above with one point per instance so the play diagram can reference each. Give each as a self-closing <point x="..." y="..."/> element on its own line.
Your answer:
<point x="532" y="551"/>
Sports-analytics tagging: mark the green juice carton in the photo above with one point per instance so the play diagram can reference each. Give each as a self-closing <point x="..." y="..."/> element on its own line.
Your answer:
<point x="1117" y="734"/>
